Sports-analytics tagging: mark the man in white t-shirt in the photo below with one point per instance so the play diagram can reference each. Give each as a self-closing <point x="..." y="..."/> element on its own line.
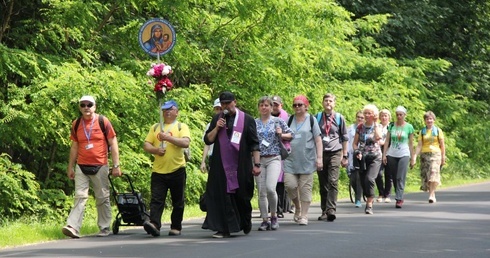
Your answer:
<point x="208" y="149"/>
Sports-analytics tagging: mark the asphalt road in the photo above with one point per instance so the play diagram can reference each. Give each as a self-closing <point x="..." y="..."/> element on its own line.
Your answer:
<point x="458" y="225"/>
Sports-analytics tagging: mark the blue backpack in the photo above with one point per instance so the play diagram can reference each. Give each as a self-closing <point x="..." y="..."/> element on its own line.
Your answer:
<point x="337" y="118"/>
<point x="435" y="132"/>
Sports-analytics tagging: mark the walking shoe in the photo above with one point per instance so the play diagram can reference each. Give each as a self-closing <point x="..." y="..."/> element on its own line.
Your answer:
<point x="399" y="204"/>
<point x="280" y="215"/>
<point x="323" y="216"/>
<point x="104" y="232"/>
<point x="303" y="221"/>
<point x="248" y="228"/>
<point x="221" y="235"/>
<point x="380" y="199"/>
<point x="358" y="204"/>
<point x="150" y="228"/>
<point x="274" y="223"/>
<point x="174" y="232"/>
<point x="70" y="232"/>
<point x="387" y="200"/>
<point x="432" y="200"/>
<point x="331" y="215"/>
<point x="369" y="210"/>
<point x="265" y="226"/>
<point x="296" y="218"/>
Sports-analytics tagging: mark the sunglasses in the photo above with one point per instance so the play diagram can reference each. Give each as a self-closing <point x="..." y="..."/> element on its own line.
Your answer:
<point x="86" y="105"/>
<point x="298" y="105"/>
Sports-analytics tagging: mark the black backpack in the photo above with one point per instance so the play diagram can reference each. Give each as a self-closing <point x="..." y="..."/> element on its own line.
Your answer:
<point x="101" y="125"/>
<point x="290" y="121"/>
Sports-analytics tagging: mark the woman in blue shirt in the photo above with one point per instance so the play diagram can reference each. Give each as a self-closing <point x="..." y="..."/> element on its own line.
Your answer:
<point x="271" y="131"/>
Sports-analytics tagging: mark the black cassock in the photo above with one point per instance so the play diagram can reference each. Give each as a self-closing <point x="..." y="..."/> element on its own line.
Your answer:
<point x="231" y="212"/>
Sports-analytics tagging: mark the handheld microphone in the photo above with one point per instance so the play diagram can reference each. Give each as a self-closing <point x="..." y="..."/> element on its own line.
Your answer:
<point x="225" y="112"/>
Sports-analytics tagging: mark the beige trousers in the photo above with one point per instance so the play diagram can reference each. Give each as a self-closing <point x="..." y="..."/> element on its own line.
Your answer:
<point x="101" y="188"/>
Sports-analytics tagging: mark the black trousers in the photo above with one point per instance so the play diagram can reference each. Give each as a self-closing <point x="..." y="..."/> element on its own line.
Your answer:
<point x="160" y="184"/>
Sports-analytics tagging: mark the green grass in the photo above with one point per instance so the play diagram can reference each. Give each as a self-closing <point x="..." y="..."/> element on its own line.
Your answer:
<point x="20" y="233"/>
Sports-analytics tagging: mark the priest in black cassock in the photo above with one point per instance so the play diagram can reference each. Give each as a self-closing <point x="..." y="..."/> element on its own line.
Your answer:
<point x="233" y="165"/>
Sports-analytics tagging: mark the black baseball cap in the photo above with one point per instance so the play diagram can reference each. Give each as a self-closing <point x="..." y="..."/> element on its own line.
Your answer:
<point x="226" y="97"/>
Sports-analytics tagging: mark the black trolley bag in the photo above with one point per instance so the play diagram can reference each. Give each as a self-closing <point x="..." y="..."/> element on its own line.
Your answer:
<point x="132" y="209"/>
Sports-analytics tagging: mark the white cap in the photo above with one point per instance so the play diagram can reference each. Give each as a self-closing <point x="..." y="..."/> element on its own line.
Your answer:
<point x="401" y="109"/>
<point x="217" y="103"/>
<point x="87" y="98"/>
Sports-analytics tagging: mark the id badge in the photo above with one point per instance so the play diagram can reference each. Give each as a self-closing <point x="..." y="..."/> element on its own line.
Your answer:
<point x="89" y="146"/>
<point x="265" y="143"/>
<point x="326" y="139"/>
<point x="236" y="137"/>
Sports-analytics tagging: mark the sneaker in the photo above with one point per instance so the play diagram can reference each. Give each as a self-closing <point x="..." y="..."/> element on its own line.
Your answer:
<point x="221" y="235"/>
<point x="331" y="215"/>
<point x="265" y="226"/>
<point x="323" y="216"/>
<point x="274" y="223"/>
<point x="399" y="204"/>
<point x="432" y="200"/>
<point x="104" y="232"/>
<point x="70" y="232"/>
<point x="280" y="215"/>
<point x="303" y="221"/>
<point x="387" y="200"/>
<point x="150" y="228"/>
<point x="358" y="204"/>
<point x="369" y="210"/>
<point x="380" y="199"/>
<point x="174" y="232"/>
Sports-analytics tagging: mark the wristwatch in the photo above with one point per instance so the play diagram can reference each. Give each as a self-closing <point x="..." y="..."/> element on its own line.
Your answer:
<point x="345" y="157"/>
<point x="257" y="165"/>
<point x="115" y="166"/>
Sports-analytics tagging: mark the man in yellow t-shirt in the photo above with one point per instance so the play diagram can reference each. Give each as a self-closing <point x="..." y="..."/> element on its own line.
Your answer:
<point x="167" y="145"/>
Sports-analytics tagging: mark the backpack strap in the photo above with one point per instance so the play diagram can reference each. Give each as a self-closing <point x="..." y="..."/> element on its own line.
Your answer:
<point x="102" y="127"/>
<point x="75" y="128"/>
<point x="290" y="120"/>
<point x="318" y="117"/>
<point x="312" y="122"/>
<point x="435" y="132"/>
<point x="157" y="124"/>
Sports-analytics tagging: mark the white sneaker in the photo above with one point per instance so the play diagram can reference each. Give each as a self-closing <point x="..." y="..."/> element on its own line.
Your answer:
<point x="303" y="221"/>
<point x="387" y="200"/>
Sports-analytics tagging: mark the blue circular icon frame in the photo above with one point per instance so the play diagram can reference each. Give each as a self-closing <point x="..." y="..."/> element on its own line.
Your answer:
<point x="147" y="40"/>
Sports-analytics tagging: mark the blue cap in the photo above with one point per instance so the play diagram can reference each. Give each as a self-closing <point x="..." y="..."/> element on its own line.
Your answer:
<point x="169" y="104"/>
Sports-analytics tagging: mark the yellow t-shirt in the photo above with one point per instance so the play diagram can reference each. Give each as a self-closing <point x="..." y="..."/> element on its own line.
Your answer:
<point x="430" y="143"/>
<point x="174" y="156"/>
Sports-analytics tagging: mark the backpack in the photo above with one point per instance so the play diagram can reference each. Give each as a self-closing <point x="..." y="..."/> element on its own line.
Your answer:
<point x="102" y="128"/>
<point x="187" y="151"/>
<point x="435" y="132"/>
<point x="290" y="121"/>
<point x="337" y="118"/>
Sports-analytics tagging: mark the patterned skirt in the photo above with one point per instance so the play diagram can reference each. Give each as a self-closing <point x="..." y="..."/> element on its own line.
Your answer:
<point x="430" y="169"/>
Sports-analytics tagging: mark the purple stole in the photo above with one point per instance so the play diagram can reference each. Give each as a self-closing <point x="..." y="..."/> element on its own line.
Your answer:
<point x="229" y="149"/>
